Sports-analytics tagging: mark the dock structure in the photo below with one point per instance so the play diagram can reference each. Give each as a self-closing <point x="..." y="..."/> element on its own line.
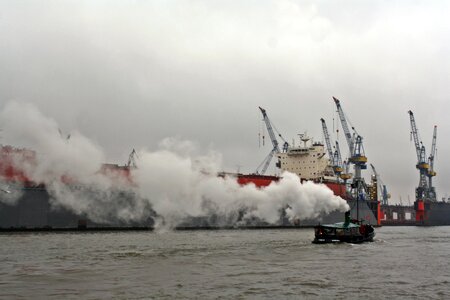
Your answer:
<point x="398" y="215"/>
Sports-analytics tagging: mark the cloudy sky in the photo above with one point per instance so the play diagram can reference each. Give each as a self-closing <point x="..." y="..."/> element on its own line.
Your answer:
<point x="127" y="74"/>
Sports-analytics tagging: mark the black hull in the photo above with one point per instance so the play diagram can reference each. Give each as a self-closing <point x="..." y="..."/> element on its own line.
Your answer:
<point x="350" y="240"/>
<point x="34" y="210"/>
<point x="437" y="214"/>
<point x="326" y="234"/>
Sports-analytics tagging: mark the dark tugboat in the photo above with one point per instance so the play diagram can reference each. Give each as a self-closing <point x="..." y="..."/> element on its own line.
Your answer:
<point x="350" y="231"/>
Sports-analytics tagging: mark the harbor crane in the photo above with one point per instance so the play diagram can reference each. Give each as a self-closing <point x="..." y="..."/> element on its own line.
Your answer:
<point x="357" y="155"/>
<point x="335" y="157"/>
<point x="384" y="193"/>
<point x="132" y="160"/>
<point x="273" y="138"/>
<point x="431" y="172"/>
<point x="422" y="191"/>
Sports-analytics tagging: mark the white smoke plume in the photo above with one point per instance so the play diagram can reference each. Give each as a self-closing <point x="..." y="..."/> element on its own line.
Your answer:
<point x="57" y="155"/>
<point x="172" y="182"/>
<point x="181" y="186"/>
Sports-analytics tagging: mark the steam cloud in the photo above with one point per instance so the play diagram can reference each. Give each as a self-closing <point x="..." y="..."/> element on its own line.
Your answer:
<point x="173" y="182"/>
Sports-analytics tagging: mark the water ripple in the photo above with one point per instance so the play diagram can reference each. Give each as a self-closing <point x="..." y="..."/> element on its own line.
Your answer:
<point x="402" y="262"/>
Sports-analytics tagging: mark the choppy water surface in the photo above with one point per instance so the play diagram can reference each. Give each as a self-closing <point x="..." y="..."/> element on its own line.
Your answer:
<point x="403" y="262"/>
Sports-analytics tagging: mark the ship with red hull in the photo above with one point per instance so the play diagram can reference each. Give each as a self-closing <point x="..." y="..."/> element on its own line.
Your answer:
<point x="369" y="211"/>
<point x="34" y="207"/>
<point x="28" y="205"/>
<point x="261" y="181"/>
<point x="308" y="160"/>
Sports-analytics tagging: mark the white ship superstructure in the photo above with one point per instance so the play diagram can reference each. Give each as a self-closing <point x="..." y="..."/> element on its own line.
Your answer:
<point x="308" y="161"/>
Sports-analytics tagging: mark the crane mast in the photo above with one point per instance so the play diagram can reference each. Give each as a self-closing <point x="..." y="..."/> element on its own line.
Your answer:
<point x="275" y="149"/>
<point x="422" y="191"/>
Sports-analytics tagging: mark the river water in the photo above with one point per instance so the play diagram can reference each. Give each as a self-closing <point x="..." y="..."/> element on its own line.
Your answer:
<point x="402" y="262"/>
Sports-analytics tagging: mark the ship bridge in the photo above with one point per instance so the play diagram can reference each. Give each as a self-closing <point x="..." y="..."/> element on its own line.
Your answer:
<point x="307" y="161"/>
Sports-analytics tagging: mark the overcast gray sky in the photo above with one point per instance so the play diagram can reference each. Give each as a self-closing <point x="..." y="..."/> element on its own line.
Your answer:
<point x="129" y="73"/>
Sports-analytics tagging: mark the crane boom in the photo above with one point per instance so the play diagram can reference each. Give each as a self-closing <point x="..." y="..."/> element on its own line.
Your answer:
<point x="337" y="153"/>
<point x="433" y="153"/>
<point x="420" y="148"/>
<point x="265" y="164"/>
<point x="348" y="135"/>
<point x="431" y="172"/>
<point x="424" y="191"/>
<point x="415" y="134"/>
<point x="132" y="159"/>
<point x="270" y="129"/>
<point x="274" y="140"/>
<point x="328" y="142"/>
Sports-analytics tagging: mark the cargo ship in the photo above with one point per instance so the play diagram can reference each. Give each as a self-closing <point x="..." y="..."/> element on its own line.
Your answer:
<point x="309" y="161"/>
<point x="28" y="205"/>
<point x="25" y="204"/>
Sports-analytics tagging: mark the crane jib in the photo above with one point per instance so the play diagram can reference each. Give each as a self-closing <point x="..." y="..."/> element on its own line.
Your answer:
<point x="274" y="140"/>
<point x="348" y="135"/>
